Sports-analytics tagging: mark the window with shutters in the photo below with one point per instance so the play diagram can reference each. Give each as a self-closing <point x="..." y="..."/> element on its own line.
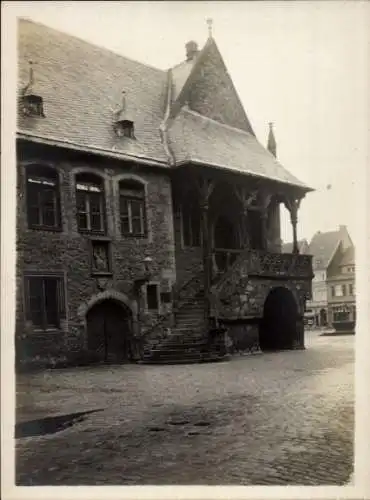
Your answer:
<point x="90" y="203"/>
<point x="43" y="198"/>
<point x="45" y="302"/>
<point x="132" y="208"/>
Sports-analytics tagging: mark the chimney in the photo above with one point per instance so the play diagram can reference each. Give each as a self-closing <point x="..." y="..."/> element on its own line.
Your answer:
<point x="191" y="50"/>
<point x="271" y="142"/>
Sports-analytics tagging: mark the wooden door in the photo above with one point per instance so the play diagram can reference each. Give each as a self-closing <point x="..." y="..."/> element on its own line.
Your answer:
<point x="108" y="326"/>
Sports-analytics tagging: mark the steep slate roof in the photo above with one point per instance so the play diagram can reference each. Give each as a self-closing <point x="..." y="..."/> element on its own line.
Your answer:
<point x="322" y="247"/>
<point x="81" y="86"/>
<point x="208" y="80"/>
<point x="195" y="138"/>
<point x="348" y="257"/>
<point x="288" y="247"/>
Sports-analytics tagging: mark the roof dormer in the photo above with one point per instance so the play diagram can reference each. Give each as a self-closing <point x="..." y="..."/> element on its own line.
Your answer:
<point x="123" y="121"/>
<point x="31" y="103"/>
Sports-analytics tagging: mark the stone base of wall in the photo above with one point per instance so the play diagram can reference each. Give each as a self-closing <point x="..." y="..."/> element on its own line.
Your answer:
<point x="243" y="335"/>
<point x="49" y="350"/>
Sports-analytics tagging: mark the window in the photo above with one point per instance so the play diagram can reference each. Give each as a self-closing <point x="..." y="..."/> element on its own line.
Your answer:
<point x="191" y="226"/>
<point x="332" y="291"/>
<point x="338" y="291"/>
<point x="350" y="289"/>
<point x="152" y="297"/>
<point x="125" y="128"/>
<point x="101" y="261"/>
<point x="90" y="203"/>
<point x="341" y="316"/>
<point x="344" y="290"/>
<point x="33" y="105"/>
<point x="43" y="202"/>
<point x="45" y="304"/>
<point x="132" y="208"/>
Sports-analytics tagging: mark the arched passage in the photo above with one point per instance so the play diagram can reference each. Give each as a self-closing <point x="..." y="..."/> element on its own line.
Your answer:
<point x="278" y="329"/>
<point x="109" y="331"/>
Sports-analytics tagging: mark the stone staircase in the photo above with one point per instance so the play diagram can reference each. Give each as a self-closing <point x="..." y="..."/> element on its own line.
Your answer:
<point x="188" y="340"/>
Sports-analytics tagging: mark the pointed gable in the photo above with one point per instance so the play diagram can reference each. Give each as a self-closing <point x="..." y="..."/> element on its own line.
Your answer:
<point x="209" y="91"/>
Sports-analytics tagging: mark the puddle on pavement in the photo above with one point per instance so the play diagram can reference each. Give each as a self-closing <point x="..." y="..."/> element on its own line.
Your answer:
<point x="189" y="427"/>
<point x="50" y="425"/>
<point x="202" y="423"/>
<point x="156" y="429"/>
<point x="178" y="422"/>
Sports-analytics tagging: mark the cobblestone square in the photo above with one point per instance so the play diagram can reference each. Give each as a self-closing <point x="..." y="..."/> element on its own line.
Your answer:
<point x="265" y="419"/>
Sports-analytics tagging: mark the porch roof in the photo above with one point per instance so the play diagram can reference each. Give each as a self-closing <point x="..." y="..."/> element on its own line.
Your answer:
<point x="197" y="139"/>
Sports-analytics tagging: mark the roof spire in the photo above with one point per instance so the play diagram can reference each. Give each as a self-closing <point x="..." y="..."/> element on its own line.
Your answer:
<point x="271" y="142"/>
<point x="210" y="25"/>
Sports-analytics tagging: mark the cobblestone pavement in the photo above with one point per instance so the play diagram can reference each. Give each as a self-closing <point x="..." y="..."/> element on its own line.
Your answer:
<point x="265" y="419"/>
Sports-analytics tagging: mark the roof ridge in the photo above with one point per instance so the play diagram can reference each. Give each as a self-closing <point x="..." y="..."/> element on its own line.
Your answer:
<point x="223" y="125"/>
<point x="91" y="44"/>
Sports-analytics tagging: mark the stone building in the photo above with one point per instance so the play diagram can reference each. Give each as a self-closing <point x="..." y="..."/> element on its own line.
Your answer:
<point x="341" y="290"/>
<point x="324" y="247"/>
<point x="148" y="212"/>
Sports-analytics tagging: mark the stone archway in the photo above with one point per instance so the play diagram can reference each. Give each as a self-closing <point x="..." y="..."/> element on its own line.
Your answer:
<point x="278" y="327"/>
<point x="109" y="331"/>
<point x="128" y="309"/>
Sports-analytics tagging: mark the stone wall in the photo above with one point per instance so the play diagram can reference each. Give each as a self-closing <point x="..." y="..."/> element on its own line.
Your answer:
<point x="67" y="252"/>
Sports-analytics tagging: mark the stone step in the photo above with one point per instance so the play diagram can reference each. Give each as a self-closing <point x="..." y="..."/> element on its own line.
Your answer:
<point x="190" y="312"/>
<point x="181" y="361"/>
<point x="188" y="347"/>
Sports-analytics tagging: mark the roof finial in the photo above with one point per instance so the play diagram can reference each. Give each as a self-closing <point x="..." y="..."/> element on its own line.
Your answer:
<point x="271" y="142"/>
<point x="28" y="87"/>
<point x="210" y="25"/>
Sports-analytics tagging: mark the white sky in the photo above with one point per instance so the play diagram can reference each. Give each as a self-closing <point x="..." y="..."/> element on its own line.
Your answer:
<point x="302" y="65"/>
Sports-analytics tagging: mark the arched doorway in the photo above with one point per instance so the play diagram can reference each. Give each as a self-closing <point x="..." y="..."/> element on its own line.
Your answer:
<point x="278" y="328"/>
<point x="109" y="327"/>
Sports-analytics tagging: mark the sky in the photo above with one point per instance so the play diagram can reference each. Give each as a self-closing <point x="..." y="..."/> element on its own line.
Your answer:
<point x="302" y="65"/>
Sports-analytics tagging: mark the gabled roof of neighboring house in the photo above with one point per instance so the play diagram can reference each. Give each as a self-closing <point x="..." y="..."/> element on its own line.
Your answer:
<point x="322" y="247"/>
<point x="348" y="257"/>
<point x="288" y="247"/>
<point x="81" y="85"/>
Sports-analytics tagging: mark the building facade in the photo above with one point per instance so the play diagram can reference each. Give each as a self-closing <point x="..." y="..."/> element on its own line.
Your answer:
<point x="148" y="212"/>
<point x="341" y="290"/>
<point x="324" y="247"/>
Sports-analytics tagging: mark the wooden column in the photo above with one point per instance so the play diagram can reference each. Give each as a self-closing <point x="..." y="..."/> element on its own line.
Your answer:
<point x="264" y="216"/>
<point x="205" y="187"/>
<point x="292" y="205"/>
<point x="246" y="199"/>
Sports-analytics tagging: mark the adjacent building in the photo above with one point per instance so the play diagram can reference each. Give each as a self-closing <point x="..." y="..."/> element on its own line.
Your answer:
<point x="148" y="213"/>
<point x="303" y="247"/>
<point x="334" y="273"/>
<point x="341" y="290"/>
